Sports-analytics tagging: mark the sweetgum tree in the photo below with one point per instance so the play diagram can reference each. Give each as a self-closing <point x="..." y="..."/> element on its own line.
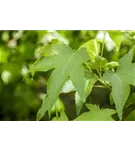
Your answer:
<point x="81" y="69"/>
<point x="67" y="75"/>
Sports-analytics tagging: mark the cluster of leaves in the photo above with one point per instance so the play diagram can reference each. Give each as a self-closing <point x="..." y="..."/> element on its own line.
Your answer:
<point x="79" y="70"/>
<point x="78" y="75"/>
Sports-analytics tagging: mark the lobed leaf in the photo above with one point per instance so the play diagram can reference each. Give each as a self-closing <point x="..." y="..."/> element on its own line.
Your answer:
<point x="67" y="64"/>
<point x="96" y="114"/>
<point x="121" y="81"/>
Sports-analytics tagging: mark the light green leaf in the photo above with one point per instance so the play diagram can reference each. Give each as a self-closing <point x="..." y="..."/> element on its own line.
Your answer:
<point x="111" y="65"/>
<point x="89" y="83"/>
<point x="117" y="37"/>
<point x="97" y="62"/>
<point x="121" y="81"/>
<point x="45" y="50"/>
<point x="67" y="64"/>
<point x="96" y="114"/>
<point x="63" y="117"/>
<point x="92" y="47"/>
<point x="111" y="99"/>
<point x="93" y="107"/>
<point x="131" y="116"/>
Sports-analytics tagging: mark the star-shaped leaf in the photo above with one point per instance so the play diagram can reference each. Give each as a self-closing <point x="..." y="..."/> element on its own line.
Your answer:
<point x="66" y="64"/>
<point x="96" y="114"/>
<point x="121" y="81"/>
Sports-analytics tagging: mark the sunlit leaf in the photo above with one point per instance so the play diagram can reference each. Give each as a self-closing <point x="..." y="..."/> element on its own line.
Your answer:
<point x="98" y="62"/>
<point x="117" y="37"/>
<point x="63" y="117"/>
<point x="92" y="47"/>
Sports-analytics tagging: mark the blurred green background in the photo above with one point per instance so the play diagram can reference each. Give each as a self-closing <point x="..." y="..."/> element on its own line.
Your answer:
<point x="21" y="94"/>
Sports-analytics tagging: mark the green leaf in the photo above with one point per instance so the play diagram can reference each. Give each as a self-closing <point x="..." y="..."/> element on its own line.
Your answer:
<point x="93" y="107"/>
<point x="92" y="47"/>
<point x="41" y="111"/>
<point x="111" y="99"/>
<point x="121" y="81"/>
<point x="44" y="64"/>
<point x="134" y="53"/>
<point x="111" y="65"/>
<point x="45" y="50"/>
<point x="89" y="83"/>
<point x="117" y="37"/>
<point x="97" y="62"/>
<point x="96" y="114"/>
<point x="131" y="116"/>
<point x="67" y="64"/>
<point x="63" y="117"/>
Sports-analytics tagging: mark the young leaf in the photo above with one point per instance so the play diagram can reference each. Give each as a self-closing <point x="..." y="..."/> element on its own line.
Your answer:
<point x="92" y="47"/>
<point x="117" y="37"/>
<point x="111" y="65"/>
<point x="98" y="62"/>
<point x="96" y="114"/>
<point x="89" y="83"/>
<point x="120" y="81"/>
<point x="93" y="107"/>
<point x="45" y="50"/>
<point x="63" y="117"/>
<point x="67" y="63"/>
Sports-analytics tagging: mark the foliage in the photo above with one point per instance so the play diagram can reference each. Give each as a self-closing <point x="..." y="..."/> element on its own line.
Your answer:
<point x="77" y="75"/>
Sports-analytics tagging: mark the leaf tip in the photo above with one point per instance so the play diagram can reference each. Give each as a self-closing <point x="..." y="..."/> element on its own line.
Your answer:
<point x="40" y="114"/>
